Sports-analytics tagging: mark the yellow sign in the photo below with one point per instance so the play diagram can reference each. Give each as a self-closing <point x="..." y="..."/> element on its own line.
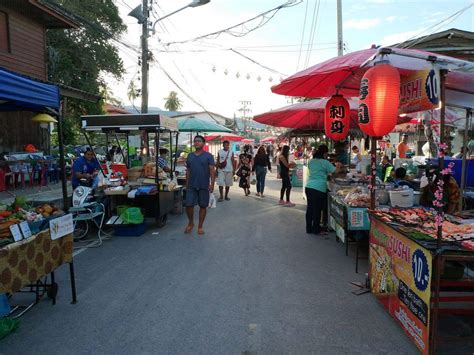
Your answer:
<point x="419" y="91"/>
<point x="400" y="277"/>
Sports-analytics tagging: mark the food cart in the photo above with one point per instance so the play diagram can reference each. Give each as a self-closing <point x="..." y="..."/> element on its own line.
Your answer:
<point x="152" y="192"/>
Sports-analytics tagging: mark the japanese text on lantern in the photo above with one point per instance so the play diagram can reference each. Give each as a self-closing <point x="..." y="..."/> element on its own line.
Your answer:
<point x="337" y="113"/>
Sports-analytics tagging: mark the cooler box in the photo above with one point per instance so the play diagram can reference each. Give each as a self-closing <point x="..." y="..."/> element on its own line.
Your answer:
<point x="402" y="198"/>
<point x="122" y="168"/>
<point x="130" y="230"/>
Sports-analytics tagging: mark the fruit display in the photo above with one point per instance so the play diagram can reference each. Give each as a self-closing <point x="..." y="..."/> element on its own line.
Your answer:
<point x="20" y="211"/>
<point x="422" y="226"/>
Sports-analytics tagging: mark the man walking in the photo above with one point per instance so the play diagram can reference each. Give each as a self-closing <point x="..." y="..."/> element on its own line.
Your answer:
<point x="225" y="170"/>
<point x="200" y="179"/>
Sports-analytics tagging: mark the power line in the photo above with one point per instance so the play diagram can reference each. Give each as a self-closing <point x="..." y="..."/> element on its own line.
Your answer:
<point x="257" y="63"/>
<point x="302" y="34"/>
<point x="264" y="16"/>
<point x="312" y="32"/>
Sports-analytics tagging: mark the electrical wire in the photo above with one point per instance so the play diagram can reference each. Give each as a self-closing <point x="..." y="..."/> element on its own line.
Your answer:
<point x="414" y="40"/>
<point x="264" y="17"/>
<point x="302" y="34"/>
<point x="312" y="32"/>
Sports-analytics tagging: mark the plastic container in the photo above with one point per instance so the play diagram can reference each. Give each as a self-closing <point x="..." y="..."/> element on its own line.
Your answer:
<point x="132" y="215"/>
<point x="402" y="198"/>
<point x="131" y="230"/>
<point x="4" y="306"/>
<point x="417" y="197"/>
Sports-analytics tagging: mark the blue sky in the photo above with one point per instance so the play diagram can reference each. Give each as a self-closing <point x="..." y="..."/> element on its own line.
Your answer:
<point x="209" y="75"/>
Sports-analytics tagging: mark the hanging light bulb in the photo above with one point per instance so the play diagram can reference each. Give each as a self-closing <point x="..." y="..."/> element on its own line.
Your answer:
<point x="248" y="76"/>
<point x="237" y="75"/>
<point x="214" y="69"/>
<point x="259" y="78"/>
<point x="270" y="79"/>
<point x="226" y="72"/>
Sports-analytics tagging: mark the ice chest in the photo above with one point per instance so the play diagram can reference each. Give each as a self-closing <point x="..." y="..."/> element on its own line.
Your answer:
<point x="402" y="198"/>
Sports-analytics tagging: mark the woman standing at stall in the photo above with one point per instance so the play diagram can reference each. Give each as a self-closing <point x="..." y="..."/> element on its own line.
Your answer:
<point x="285" y="166"/>
<point x="260" y="166"/>
<point x="244" y="169"/>
<point x="319" y="168"/>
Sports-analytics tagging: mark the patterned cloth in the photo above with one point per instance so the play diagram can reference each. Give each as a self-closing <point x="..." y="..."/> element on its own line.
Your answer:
<point x="161" y="162"/>
<point x="25" y="262"/>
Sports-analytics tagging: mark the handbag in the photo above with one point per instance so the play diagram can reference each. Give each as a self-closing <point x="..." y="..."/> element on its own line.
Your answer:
<point x="239" y="172"/>
<point x="223" y="164"/>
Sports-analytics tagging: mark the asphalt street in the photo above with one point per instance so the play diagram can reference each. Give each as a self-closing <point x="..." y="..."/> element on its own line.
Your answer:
<point x="255" y="283"/>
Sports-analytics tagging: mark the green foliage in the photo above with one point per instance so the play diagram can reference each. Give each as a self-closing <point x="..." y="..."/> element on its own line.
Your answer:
<point x="173" y="103"/>
<point x="81" y="57"/>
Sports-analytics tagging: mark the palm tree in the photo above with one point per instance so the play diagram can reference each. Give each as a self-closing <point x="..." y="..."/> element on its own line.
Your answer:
<point x="173" y="103"/>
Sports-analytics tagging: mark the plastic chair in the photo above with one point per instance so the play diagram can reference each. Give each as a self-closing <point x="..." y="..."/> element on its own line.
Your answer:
<point x="83" y="216"/>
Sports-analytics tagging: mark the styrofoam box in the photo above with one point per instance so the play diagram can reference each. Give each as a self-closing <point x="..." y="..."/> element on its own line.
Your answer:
<point x="402" y="198"/>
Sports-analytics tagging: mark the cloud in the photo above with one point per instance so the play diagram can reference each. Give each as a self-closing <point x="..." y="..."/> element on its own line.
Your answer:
<point x="362" y="24"/>
<point x="391" y="19"/>
<point x="399" y="37"/>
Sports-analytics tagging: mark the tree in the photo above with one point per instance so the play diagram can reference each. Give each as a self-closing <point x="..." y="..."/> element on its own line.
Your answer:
<point x="173" y="103"/>
<point x="82" y="57"/>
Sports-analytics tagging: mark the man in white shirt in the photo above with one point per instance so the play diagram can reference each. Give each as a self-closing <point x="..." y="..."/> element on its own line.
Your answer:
<point x="225" y="171"/>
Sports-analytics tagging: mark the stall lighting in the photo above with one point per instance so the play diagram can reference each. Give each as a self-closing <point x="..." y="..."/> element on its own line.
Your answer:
<point x="43" y="118"/>
<point x="144" y="151"/>
<point x="440" y="105"/>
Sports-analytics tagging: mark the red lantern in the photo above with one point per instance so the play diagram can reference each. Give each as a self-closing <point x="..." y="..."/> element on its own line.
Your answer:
<point x="336" y="118"/>
<point x="379" y="100"/>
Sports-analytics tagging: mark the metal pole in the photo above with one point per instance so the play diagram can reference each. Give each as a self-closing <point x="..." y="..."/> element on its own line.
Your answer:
<point x="128" y="152"/>
<point x="175" y="157"/>
<point x="93" y="151"/>
<point x="340" y="42"/>
<point x="373" y="167"/>
<point x="171" y="153"/>
<point x="145" y="58"/>
<point x="464" y="156"/>
<point x="62" y="163"/>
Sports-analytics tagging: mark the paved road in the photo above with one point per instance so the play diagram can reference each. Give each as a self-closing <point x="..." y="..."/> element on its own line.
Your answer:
<point x="254" y="283"/>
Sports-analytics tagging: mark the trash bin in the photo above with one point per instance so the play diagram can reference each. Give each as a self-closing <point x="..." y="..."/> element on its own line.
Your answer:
<point x="178" y="202"/>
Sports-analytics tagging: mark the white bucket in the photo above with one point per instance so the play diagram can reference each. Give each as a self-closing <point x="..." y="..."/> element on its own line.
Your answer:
<point x="402" y="198"/>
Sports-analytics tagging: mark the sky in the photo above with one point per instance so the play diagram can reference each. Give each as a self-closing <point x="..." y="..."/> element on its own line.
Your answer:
<point x="208" y="75"/>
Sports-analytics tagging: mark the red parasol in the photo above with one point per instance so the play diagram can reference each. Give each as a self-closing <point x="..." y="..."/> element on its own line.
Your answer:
<point x="308" y="115"/>
<point x="343" y="74"/>
<point x="224" y="137"/>
<point x="269" y="139"/>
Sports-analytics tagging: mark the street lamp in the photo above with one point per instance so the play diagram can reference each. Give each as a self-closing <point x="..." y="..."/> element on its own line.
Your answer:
<point x="194" y="3"/>
<point x="141" y="14"/>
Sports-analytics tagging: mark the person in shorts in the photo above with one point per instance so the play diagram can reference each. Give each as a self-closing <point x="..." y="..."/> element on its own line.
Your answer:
<point x="200" y="179"/>
<point x="225" y="167"/>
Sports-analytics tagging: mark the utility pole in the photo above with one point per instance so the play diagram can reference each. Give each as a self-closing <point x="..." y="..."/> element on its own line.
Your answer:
<point x="145" y="57"/>
<point x="244" y="109"/>
<point x="340" y="42"/>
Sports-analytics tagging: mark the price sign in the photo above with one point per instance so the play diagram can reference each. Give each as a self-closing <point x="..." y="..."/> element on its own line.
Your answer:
<point x="15" y="229"/>
<point x="421" y="272"/>
<point x="25" y="229"/>
<point x="59" y="227"/>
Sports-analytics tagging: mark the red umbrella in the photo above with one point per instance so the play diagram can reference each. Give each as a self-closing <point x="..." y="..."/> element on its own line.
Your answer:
<point x="343" y="74"/>
<point x="451" y="117"/>
<point x="308" y="115"/>
<point x="223" y="137"/>
<point x="269" y="139"/>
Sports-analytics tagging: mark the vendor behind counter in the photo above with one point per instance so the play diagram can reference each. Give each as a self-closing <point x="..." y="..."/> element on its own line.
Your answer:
<point x="451" y="192"/>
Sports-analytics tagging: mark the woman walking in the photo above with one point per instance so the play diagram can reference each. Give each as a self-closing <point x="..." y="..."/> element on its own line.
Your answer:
<point x="285" y="166"/>
<point x="244" y="169"/>
<point x="260" y="166"/>
<point x="319" y="168"/>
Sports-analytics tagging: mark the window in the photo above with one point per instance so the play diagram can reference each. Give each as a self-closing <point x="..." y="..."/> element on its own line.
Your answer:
<point x="4" y="35"/>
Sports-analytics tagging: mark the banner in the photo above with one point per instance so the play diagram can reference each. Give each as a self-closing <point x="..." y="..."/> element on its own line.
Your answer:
<point x="419" y="91"/>
<point x="400" y="277"/>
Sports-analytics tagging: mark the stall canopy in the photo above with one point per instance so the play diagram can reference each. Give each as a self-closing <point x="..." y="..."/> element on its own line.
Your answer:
<point x="308" y="115"/>
<point x="343" y="74"/>
<point x="147" y="122"/>
<point x="194" y="124"/>
<point x="20" y="93"/>
<point x="223" y="136"/>
<point x="269" y="139"/>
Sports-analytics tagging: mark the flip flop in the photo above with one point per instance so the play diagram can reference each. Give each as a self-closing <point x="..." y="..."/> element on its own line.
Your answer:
<point x="189" y="228"/>
<point x="200" y="231"/>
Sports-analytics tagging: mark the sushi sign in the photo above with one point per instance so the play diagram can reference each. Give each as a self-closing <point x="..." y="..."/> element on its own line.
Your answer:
<point x="420" y="91"/>
<point x="400" y="277"/>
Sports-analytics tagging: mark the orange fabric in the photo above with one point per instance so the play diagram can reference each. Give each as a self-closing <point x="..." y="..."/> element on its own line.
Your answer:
<point x="402" y="150"/>
<point x="24" y="262"/>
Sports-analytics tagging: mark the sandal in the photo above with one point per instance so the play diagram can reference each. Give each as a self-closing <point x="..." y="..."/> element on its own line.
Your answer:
<point x="200" y="231"/>
<point x="189" y="228"/>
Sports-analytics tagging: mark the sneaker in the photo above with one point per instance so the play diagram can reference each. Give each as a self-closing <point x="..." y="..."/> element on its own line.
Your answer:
<point x="257" y="194"/>
<point x="282" y="203"/>
<point x="289" y="204"/>
<point x="227" y="199"/>
<point x="220" y="199"/>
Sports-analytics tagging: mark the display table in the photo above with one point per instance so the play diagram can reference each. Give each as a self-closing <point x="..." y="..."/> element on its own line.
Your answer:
<point x="25" y="262"/>
<point x="402" y="278"/>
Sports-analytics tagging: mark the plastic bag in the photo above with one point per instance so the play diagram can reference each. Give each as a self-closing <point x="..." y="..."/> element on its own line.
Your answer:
<point x="212" y="201"/>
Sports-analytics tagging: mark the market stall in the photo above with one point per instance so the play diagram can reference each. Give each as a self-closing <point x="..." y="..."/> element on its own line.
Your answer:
<point x="34" y="241"/>
<point x="385" y="80"/>
<point x="152" y="190"/>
